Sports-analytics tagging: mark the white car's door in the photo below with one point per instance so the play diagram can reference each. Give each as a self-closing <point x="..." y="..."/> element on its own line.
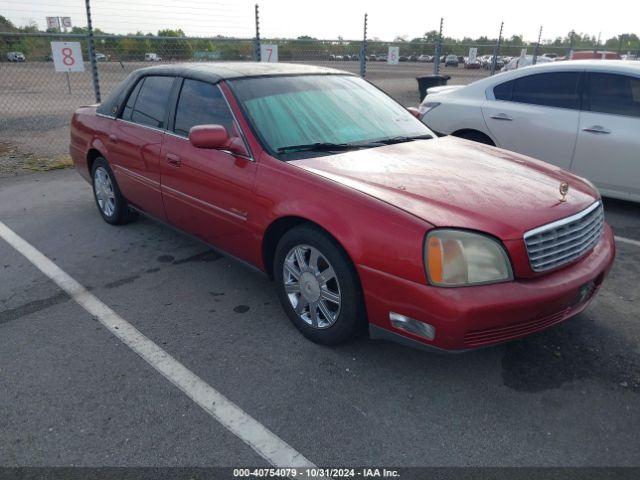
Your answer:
<point x="608" y="148"/>
<point x="536" y="115"/>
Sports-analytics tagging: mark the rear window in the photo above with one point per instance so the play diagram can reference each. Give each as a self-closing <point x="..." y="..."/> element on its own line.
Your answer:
<point x="616" y="94"/>
<point x="147" y="103"/>
<point x="558" y="90"/>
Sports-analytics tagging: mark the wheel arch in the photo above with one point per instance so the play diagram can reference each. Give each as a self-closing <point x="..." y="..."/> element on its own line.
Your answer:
<point x="92" y="154"/>
<point x="475" y="132"/>
<point x="279" y="227"/>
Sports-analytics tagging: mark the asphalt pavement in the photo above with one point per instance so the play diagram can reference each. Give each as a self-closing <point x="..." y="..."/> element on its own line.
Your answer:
<point x="71" y="393"/>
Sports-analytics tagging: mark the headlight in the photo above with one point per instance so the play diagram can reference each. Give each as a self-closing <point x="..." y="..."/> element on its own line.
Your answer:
<point x="427" y="106"/>
<point x="456" y="258"/>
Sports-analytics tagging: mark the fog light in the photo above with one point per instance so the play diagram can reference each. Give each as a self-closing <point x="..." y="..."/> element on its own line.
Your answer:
<point x="412" y="325"/>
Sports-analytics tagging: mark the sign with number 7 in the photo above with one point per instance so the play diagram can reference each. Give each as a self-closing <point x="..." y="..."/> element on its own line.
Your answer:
<point x="269" y="53"/>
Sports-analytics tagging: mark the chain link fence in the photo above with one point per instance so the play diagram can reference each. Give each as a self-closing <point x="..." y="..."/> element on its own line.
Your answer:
<point x="37" y="102"/>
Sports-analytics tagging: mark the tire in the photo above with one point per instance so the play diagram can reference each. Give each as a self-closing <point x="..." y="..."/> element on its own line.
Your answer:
<point x="111" y="204"/>
<point x="475" y="136"/>
<point x="330" y="307"/>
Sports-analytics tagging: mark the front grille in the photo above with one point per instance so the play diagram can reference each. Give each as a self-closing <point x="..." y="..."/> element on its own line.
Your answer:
<point x="561" y="242"/>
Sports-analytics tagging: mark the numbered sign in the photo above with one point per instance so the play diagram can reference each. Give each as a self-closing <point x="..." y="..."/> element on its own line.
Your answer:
<point x="473" y="55"/>
<point x="394" y="55"/>
<point x="66" y="22"/>
<point x="67" y="56"/>
<point x="269" y="53"/>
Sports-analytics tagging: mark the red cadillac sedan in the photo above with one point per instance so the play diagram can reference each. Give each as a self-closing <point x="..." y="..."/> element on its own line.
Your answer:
<point x="358" y="212"/>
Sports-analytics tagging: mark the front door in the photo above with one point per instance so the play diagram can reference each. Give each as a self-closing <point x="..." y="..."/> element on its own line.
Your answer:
<point x="206" y="192"/>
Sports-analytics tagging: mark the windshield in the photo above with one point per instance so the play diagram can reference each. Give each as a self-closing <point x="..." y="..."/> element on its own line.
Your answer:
<point x="298" y="116"/>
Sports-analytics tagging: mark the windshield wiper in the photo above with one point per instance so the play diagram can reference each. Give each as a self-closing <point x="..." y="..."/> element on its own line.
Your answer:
<point x="319" y="147"/>
<point x="403" y="139"/>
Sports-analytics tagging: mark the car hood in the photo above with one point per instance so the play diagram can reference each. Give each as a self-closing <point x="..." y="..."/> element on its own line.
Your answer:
<point x="458" y="183"/>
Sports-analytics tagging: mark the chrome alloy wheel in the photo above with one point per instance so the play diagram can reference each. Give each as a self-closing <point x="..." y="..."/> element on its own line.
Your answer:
<point x="104" y="191"/>
<point x="311" y="285"/>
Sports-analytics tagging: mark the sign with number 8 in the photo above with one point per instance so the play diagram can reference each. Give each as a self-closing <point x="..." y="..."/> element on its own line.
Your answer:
<point x="67" y="56"/>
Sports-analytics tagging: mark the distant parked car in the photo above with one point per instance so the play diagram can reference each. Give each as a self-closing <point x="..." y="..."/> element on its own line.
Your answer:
<point x="16" y="57"/>
<point x="382" y="57"/>
<point x="550" y="55"/>
<point x="488" y="60"/>
<point x="152" y="57"/>
<point x="582" y="116"/>
<point x="451" y="61"/>
<point x="526" y="61"/>
<point x="101" y="57"/>
<point x="425" y="58"/>
<point x="591" y="55"/>
<point x="472" y="65"/>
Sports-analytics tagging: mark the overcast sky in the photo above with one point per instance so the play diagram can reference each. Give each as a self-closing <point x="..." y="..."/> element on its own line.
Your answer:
<point x="332" y="18"/>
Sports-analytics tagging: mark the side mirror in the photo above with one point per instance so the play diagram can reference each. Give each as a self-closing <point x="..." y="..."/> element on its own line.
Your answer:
<point x="216" y="137"/>
<point x="414" y="111"/>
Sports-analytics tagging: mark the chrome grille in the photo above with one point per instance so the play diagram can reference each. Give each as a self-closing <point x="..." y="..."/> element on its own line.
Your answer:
<point x="561" y="242"/>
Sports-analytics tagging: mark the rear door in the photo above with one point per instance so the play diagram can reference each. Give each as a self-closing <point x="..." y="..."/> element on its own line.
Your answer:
<point x="135" y="143"/>
<point x="207" y="192"/>
<point x="537" y="115"/>
<point x="608" y="149"/>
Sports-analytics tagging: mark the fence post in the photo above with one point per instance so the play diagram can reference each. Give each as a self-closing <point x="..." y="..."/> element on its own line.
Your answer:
<point x="92" y="54"/>
<point x="535" y="50"/>
<point x="256" y="41"/>
<point x="571" y="40"/>
<point x="436" y="60"/>
<point x="363" y="50"/>
<point x="496" y="50"/>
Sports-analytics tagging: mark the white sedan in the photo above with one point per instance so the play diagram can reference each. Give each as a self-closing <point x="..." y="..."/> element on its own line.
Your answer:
<point x="582" y="116"/>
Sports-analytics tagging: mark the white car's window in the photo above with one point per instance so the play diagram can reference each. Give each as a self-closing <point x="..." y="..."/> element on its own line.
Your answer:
<point x="610" y="93"/>
<point x="547" y="89"/>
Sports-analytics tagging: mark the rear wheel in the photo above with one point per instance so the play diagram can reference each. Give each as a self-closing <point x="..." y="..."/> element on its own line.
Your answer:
<point x="318" y="286"/>
<point x="111" y="204"/>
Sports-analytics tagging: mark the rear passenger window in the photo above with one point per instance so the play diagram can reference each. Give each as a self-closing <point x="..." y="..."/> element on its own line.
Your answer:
<point x="128" y="108"/>
<point x="201" y="103"/>
<point x="548" y="89"/>
<point x="610" y="93"/>
<point x="148" y="101"/>
<point x="503" y="91"/>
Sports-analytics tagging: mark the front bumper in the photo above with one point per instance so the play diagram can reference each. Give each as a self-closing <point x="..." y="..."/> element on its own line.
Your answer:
<point x="478" y="316"/>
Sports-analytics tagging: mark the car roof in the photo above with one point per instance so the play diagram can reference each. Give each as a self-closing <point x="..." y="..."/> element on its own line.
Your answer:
<point x="214" y="72"/>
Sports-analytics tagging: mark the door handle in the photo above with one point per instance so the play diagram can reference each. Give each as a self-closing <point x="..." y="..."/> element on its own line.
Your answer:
<point x="173" y="159"/>
<point x="501" y="116"/>
<point x="113" y="138"/>
<point x="596" y="129"/>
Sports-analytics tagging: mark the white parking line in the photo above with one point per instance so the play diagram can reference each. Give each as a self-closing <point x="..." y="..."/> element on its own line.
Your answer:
<point x="268" y="445"/>
<point x="628" y="240"/>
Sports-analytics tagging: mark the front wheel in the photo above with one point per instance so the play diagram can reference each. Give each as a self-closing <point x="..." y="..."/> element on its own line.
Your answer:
<point x="111" y="204"/>
<point x="318" y="286"/>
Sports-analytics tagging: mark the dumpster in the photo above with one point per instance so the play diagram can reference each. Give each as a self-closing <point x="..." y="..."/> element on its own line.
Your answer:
<point x="429" y="81"/>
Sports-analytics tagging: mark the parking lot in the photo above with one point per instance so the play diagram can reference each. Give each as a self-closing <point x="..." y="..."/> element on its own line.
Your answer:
<point x="73" y="393"/>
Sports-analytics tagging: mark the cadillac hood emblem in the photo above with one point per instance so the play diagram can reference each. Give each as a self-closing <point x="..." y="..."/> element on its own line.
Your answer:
<point x="564" y="189"/>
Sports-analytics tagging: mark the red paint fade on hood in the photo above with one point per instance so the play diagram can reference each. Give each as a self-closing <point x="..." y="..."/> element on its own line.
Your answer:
<point x="451" y="182"/>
